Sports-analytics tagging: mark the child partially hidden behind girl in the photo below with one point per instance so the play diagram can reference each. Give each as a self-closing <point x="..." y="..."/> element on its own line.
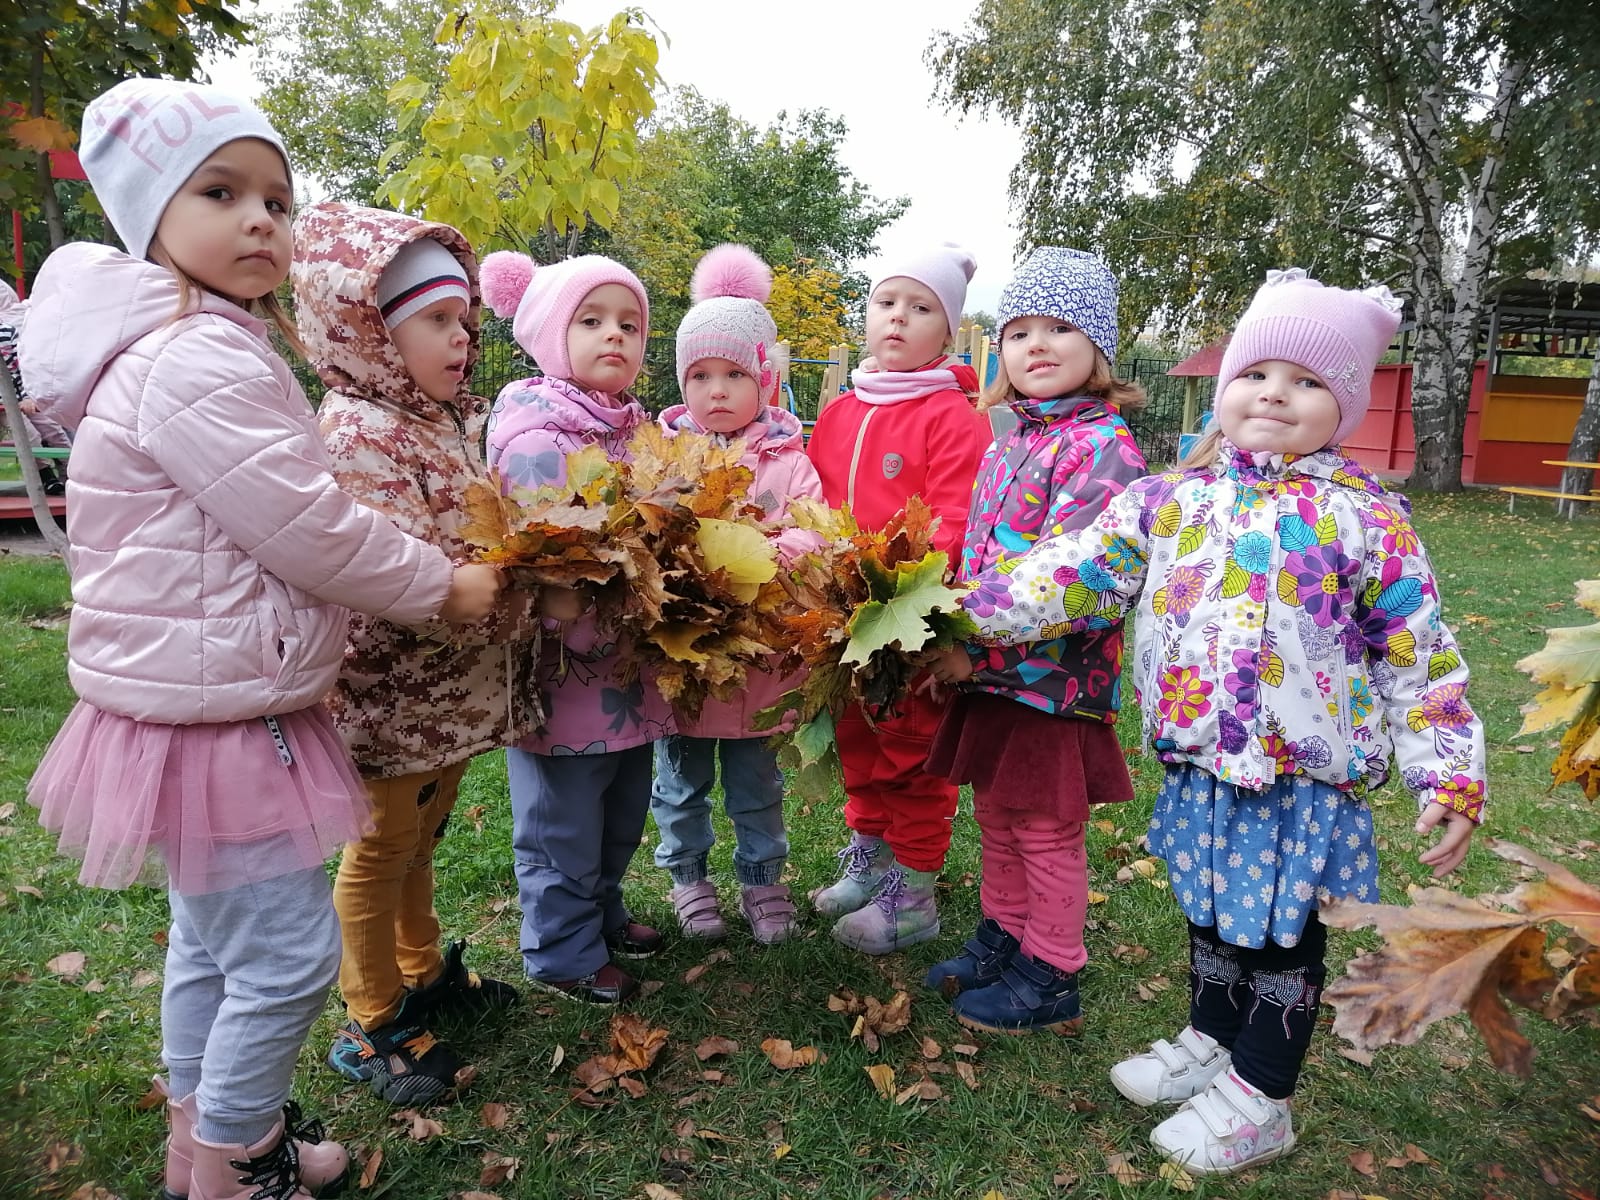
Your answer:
<point x="1291" y="648"/>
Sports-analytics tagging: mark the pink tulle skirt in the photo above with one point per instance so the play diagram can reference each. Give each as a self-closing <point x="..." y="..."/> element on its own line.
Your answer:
<point x="203" y="807"/>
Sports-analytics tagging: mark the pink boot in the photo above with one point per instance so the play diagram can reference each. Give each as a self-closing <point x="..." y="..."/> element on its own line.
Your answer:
<point x="769" y="910"/>
<point x="324" y="1166"/>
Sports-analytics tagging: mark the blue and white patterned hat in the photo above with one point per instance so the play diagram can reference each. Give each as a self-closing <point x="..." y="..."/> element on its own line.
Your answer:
<point x="1070" y="285"/>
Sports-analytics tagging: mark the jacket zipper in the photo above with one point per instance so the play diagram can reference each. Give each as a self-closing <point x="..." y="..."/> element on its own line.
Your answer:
<point x="855" y="459"/>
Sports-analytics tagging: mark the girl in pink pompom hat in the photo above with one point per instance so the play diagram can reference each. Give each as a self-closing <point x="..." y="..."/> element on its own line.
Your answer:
<point x="580" y="787"/>
<point x="726" y="372"/>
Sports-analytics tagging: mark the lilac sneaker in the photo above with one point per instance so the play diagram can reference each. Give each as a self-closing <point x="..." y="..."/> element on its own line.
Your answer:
<point x="698" y="913"/>
<point x="769" y="911"/>
<point x="903" y="913"/>
<point x="862" y="866"/>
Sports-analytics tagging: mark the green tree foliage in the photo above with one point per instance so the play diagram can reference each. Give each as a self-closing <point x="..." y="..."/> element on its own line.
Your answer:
<point x="326" y="67"/>
<point x="706" y="176"/>
<point x="57" y="55"/>
<point x="531" y="159"/>
<point x="1430" y="144"/>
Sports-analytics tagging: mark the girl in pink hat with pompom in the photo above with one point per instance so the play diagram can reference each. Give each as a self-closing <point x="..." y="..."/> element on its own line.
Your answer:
<point x="725" y="368"/>
<point x="580" y="787"/>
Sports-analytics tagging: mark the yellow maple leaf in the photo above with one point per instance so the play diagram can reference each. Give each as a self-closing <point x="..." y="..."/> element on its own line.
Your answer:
<point x="40" y="134"/>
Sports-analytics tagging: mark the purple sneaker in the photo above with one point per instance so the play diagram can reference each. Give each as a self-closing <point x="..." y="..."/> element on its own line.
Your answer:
<point x="698" y="913"/>
<point x="769" y="911"/>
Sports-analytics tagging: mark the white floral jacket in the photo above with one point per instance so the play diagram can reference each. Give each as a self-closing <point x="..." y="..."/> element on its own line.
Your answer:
<point x="1288" y="622"/>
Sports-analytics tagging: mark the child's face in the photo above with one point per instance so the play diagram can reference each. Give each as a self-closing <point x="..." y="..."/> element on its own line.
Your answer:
<point x="433" y="345"/>
<point x="228" y="226"/>
<point x="722" y="396"/>
<point x="605" y="341"/>
<point x="1045" y="357"/>
<point x="906" y="326"/>
<point x="1278" y="407"/>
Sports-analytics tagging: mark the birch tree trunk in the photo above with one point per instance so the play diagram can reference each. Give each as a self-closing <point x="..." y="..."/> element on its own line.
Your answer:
<point x="40" y="504"/>
<point x="1585" y="447"/>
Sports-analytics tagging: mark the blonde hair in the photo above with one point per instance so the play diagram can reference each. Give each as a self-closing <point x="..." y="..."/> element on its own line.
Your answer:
<point x="1102" y="384"/>
<point x="1204" y="452"/>
<point x="269" y="308"/>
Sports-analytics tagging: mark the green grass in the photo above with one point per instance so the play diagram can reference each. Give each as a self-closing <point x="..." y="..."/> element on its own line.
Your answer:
<point x="74" y="1062"/>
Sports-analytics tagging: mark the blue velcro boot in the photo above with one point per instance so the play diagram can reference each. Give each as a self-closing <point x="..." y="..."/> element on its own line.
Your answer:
<point x="1028" y="995"/>
<point x="986" y="954"/>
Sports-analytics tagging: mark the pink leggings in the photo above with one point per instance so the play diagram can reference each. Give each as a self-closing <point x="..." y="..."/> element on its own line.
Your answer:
<point x="1036" y="882"/>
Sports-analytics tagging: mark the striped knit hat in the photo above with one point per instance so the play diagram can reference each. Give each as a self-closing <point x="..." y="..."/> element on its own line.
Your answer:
<point x="421" y="273"/>
<point x="729" y="318"/>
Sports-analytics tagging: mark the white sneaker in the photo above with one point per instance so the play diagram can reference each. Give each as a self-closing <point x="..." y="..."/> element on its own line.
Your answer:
<point x="1226" y="1128"/>
<point x="1169" y="1073"/>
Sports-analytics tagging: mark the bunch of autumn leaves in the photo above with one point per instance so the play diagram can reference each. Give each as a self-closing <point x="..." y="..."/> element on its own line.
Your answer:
<point x="681" y="566"/>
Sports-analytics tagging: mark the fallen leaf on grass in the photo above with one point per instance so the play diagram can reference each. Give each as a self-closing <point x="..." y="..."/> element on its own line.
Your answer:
<point x="966" y="1049"/>
<point x="931" y="1048"/>
<point x="369" y="1169"/>
<point x="418" y="1127"/>
<point x="994" y="1194"/>
<point x="1064" y="1179"/>
<point x="95" y="986"/>
<point x="27" y="889"/>
<point x="1176" y="1177"/>
<point x="968" y="1076"/>
<point x="781" y="1149"/>
<point x="1591" y="1109"/>
<point x="1097" y="897"/>
<point x="634" y="1087"/>
<point x="923" y="1089"/>
<point x="882" y="1076"/>
<point x="494" y="1116"/>
<point x="655" y="1191"/>
<point x="1364" y="1162"/>
<point x="69" y="965"/>
<point x="474" y="1195"/>
<point x="93" y="1191"/>
<point x="497" y="1169"/>
<point x="143" y="979"/>
<point x="154" y="1098"/>
<point x="60" y="1154"/>
<point x="782" y="1054"/>
<point x="1408" y="1156"/>
<point x="8" y="810"/>
<point x="712" y="959"/>
<point x="712" y="1046"/>
<point x="557" y="1057"/>
<point x="1123" y="1171"/>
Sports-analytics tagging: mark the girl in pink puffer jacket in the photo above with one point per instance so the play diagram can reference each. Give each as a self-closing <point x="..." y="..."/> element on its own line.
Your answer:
<point x="214" y="561"/>
<point x="725" y="346"/>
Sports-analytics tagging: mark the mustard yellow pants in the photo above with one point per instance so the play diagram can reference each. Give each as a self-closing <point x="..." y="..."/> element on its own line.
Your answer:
<point x="384" y="894"/>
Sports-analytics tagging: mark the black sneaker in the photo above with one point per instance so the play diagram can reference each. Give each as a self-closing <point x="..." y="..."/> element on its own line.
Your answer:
<point x="402" y="1062"/>
<point x="459" y="992"/>
<point x="633" y="940"/>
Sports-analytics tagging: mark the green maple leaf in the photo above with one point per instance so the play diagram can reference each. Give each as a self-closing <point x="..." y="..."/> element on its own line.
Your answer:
<point x="902" y="621"/>
<point x="813" y="756"/>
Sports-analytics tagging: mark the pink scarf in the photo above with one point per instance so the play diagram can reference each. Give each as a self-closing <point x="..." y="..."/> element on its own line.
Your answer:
<point x="892" y="387"/>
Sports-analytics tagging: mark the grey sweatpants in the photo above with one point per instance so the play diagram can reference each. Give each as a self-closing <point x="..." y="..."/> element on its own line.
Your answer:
<point x="248" y="971"/>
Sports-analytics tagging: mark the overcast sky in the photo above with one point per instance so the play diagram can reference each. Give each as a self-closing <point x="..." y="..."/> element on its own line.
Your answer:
<point x="863" y="61"/>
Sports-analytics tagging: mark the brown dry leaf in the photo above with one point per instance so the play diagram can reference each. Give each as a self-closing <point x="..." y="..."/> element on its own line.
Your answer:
<point x="60" y="1154"/>
<point x="684" y="1129"/>
<point x="69" y="965"/>
<point x="1064" y="1179"/>
<point x="1175" y="1177"/>
<point x="931" y="1049"/>
<point x="1364" y="1162"/>
<point x="711" y="1076"/>
<point x="634" y="1087"/>
<point x="635" y="1041"/>
<point x="474" y="1195"/>
<point x="691" y="1098"/>
<point x="966" y="1049"/>
<point x="8" y="810"/>
<point x="497" y="1169"/>
<point x="151" y="1099"/>
<point x="695" y="972"/>
<point x="494" y="1115"/>
<point x="95" y="986"/>
<point x="369" y="1169"/>
<point x="464" y="1077"/>
<point x="712" y="1046"/>
<point x="1123" y="1171"/>
<point x="923" y="1089"/>
<point x="27" y="889"/>
<point x="143" y="979"/>
<point x="418" y="1127"/>
<point x="967" y="1074"/>
<point x="1409" y="1154"/>
<point x="1444" y="954"/>
<point x="93" y="1191"/>
<point x="882" y="1076"/>
<point x="783" y="1055"/>
<point x="656" y="1191"/>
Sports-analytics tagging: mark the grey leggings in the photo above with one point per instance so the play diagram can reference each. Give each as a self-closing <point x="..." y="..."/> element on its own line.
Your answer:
<point x="248" y="971"/>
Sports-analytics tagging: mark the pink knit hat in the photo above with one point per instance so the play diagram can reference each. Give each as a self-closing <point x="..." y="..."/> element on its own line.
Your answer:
<point x="541" y="300"/>
<point x="945" y="271"/>
<point x="729" y="289"/>
<point x="1337" y="334"/>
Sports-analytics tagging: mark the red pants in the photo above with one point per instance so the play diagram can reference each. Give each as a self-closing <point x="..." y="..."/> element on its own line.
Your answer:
<point x="888" y="793"/>
<point x="1035" y="881"/>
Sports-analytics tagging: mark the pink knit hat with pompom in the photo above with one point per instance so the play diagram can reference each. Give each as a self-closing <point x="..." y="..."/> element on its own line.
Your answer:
<point x="729" y="288"/>
<point x="541" y="300"/>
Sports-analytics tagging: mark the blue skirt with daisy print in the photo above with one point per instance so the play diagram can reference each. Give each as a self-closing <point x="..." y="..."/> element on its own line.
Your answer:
<point x="1254" y="863"/>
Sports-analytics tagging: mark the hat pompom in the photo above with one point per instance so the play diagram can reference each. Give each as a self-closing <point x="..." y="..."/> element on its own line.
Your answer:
<point x="503" y="277"/>
<point x="731" y="270"/>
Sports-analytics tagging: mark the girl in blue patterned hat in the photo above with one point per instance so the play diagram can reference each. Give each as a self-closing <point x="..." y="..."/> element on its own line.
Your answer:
<point x="1034" y="729"/>
<point x="1290" y="645"/>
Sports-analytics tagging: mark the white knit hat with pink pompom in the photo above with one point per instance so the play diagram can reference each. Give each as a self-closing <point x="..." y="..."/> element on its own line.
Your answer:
<point x="541" y="300"/>
<point x="729" y="289"/>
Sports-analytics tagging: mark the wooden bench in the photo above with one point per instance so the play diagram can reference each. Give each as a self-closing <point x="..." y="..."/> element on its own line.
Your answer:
<point x="1548" y="494"/>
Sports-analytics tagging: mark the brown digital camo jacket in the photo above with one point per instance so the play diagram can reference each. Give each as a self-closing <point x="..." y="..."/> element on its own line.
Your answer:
<point x="409" y="699"/>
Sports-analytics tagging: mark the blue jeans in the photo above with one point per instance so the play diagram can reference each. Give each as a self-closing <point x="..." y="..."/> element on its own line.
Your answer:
<point x="752" y="792"/>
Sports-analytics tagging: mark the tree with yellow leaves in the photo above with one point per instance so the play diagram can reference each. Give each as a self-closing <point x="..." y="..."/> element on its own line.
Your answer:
<point x="808" y="304"/>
